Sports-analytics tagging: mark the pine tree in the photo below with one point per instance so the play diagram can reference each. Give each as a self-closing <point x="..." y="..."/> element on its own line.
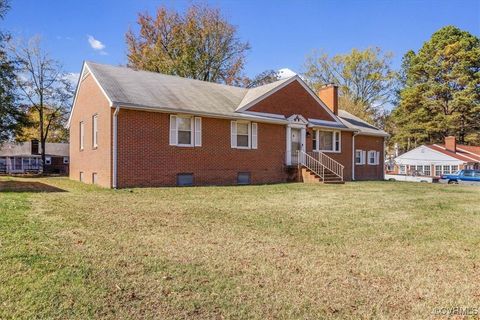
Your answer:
<point x="441" y="91"/>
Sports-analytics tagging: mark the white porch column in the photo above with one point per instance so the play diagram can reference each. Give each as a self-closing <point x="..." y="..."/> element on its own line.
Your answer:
<point x="288" y="156"/>
<point x="303" y="139"/>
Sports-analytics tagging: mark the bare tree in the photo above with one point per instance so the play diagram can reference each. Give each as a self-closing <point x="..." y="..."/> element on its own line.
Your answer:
<point x="42" y="84"/>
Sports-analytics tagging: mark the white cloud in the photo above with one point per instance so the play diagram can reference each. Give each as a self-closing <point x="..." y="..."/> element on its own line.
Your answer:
<point x="96" y="45"/>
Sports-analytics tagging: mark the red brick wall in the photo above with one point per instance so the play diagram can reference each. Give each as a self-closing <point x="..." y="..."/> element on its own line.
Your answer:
<point x="145" y="157"/>
<point x="292" y="99"/>
<point x="91" y="100"/>
<point x="366" y="171"/>
<point x="344" y="156"/>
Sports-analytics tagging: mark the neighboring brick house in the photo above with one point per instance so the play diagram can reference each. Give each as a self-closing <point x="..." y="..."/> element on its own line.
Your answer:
<point x="437" y="159"/>
<point x="25" y="157"/>
<point x="134" y="128"/>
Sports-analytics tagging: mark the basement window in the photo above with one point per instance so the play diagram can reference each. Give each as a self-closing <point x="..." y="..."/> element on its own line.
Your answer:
<point x="185" y="179"/>
<point x="243" y="178"/>
<point x="94" y="178"/>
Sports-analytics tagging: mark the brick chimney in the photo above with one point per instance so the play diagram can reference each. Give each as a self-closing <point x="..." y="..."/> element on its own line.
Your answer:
<point x="34" y="146"/>
<point x="450" y="143"/>
<point x="329" y="95"/>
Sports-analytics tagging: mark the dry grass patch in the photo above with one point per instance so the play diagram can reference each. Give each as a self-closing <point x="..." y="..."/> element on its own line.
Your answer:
<point x="360" y="250"/>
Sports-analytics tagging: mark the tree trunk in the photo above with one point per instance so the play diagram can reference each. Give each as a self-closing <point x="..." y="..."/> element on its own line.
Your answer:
<point x="42" y="136"/>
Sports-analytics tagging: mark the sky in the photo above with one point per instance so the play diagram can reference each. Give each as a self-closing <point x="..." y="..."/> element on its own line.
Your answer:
<point x="281" y="33"/>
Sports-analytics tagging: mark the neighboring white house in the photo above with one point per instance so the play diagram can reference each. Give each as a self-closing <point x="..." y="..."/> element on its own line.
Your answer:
<point x="435" y="160"/>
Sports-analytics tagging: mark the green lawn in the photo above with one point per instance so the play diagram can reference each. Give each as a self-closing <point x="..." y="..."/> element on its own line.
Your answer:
<point x="359" y="250"/>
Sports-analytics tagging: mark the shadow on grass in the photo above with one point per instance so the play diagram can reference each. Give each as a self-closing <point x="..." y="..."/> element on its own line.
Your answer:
<point x="27" y="186"/>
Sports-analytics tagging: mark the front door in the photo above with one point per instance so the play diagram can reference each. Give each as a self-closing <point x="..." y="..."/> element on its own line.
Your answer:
<point x="296" y="144"/>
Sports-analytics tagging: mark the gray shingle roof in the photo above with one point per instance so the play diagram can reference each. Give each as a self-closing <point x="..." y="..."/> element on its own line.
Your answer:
<point x="356" y="123"/>
<point x="129" y="87"/>
<point x="156" y="90"/>
<point x="24" y="149"/>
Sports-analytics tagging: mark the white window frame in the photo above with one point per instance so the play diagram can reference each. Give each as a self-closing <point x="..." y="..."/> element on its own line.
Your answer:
<point x="82" y="135"/>
<point x="66" y="160"/>
<point x="375" y="157"/>
<point x="252" y="132"/>
<point x="249" y="135"/>
<point x="335" y="134"/>
<point x="48" y="160"/>
<point x="362" y="157"/>
<point x="402" y="169"/>
<point x="427" y="172"/>
<point x="195" y="130"/>
<point x="95" y="131"/>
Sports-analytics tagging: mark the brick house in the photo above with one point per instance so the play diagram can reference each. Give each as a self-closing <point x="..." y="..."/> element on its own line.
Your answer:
<point x="134" y="128"/>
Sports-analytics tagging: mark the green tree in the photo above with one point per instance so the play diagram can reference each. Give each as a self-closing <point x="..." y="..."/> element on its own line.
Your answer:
<point x="11" y="114"/>
<point x="199" y="44"/>
<point x="440" y="94"/>
<point x="53" y="121"/>
<point x="365" y="79"/>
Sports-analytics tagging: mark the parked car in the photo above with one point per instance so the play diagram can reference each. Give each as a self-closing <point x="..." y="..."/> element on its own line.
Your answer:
<point x="409" y="178"/>
<point x="462" y="177"/>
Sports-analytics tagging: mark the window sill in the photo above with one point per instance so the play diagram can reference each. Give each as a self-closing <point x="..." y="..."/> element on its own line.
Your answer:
<point x="242" y="148"/>
<point x="328" y="151"/>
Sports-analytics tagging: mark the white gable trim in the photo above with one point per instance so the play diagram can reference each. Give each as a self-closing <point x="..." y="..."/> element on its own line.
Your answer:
<point x="469" y="152"/>
<point x="407" y="159"/>
<point x="85" y="70"/>
<point x="461" y="155"/>
<point x="283" y="85"/>
<point x="265" y="95"/>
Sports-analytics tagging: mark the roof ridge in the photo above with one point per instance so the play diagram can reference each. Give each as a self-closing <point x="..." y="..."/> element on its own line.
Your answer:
<point x="165" y="75"/>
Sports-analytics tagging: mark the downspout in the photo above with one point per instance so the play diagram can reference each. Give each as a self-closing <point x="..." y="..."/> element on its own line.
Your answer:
<point x="353" y="154"/>
<point x="383" y="164"/>
<point x="115" y="142"/>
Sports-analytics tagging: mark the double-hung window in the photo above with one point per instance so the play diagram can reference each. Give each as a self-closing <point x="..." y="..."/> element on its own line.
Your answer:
<point x="244" y="134"/>
<point x="185" y="131"/>
<point x="359" y="157"/>
<point x="327" y="140"/>
<point x="373" y="157"/>
<point x="82" y="134"/>
<point x="95" y="131"/>
<point x="426" y="170"/>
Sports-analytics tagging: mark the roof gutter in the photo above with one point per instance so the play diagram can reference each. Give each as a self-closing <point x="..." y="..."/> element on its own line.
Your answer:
<point x="115" y="147"/>
<point x="241" y="116"/>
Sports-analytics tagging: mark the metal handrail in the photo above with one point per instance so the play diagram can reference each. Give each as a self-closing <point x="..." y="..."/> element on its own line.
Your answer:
<point x="334" y="166"/>
<point x="318" y="164"/>
<point x="311" y="163"/>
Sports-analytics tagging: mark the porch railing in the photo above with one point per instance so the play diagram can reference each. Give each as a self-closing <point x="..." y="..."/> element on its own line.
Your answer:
<point x="311" y="163"/>
<point x="334" y="166"/>
<point x="318" y="163"/>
